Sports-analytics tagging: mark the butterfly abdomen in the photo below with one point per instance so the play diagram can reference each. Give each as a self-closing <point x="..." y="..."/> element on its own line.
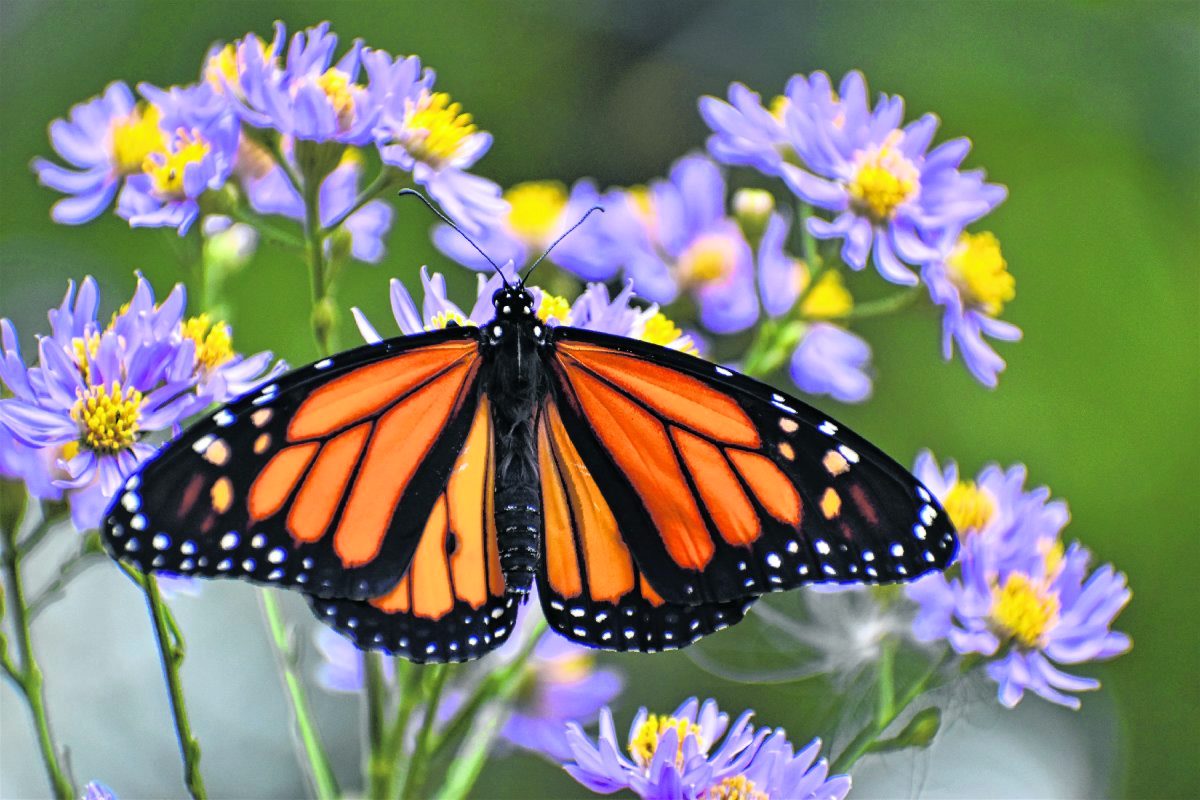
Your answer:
<point x="515" y="383"/>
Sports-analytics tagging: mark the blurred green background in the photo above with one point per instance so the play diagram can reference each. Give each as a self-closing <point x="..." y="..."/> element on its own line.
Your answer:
<point x="1089" y="112"/>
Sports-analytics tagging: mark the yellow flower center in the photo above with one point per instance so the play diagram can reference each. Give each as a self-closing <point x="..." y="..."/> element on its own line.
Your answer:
<point x="85" y="352"/>
<point x="166" y="169"/>
<point x="659" y="329"/>
<point x="883" y="179"/>
<point x="970" y="508"/>
<point x="338" y="88"/>
<point x="738" y="787"/>
<point x="778" y="106"/>
<point x="435" y="128"/>
<point x="554" y="307"/>
<point x="442" y="319"/>
<point x="214" y="343"/>
<point x="222" y="67"/>
<point x="535" y="209"/>
<point x="644" y="742"/>
<point x="828" y="299"/>
<point x="135" y="137"/>
<point x="980" y="272"/>
<point x="1024" y="610"/>
<point x="710" y="258"/>
<point x="569" y="669"/>
<point x="107" y="418"/>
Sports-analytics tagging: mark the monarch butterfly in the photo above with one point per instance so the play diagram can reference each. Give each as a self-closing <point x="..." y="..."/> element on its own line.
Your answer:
<point x="418" y="488"/>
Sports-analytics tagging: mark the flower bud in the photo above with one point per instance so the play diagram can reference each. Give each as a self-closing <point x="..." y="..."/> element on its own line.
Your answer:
<point x="752" y="208"/>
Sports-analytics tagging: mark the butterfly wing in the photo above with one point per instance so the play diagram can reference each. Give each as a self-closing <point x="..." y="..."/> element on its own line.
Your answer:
<point x="450" y="603"/>
<point x="590" y="586"/>
<point x="722" y="488"/>
<point x="322" y="480"/>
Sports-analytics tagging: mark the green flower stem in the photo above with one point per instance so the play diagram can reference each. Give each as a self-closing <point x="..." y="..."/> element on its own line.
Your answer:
<point x="27" y="677"/>
<point x="885" y="305"/>
<point x="322" y="322"/>
<point x="387" y="178"/>
<point x="319" y="769"/>
<point x="171" y="649"/>
<point x="484" y="713"/>
<point x="418" y="765"/>
<point x="888" y="708"/>
<point x="379" y="768"/>
<point x="408" y="678"/>
<point x="809" y="250"/>
<point x="87" y="555"/>
<point x="266" y="228"/>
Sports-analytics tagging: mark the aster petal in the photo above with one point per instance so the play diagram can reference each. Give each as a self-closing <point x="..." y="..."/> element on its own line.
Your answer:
<point x="812" y="189"/>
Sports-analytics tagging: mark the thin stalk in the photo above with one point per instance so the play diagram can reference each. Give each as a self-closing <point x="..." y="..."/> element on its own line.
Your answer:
<point x="379" y="769"/>
<point x="418" y="767"/>
<point x="386" y="179"/>
<point x="884" y="305"/>
<point x="28" y="677"/>
<point x="319" y="769"/>
<point x="172" y="653"/>
<point x="408" y="678"/>
<point x="316" y="265"/>
<point x="267" y="229"/>
<point x="54" y="589"/>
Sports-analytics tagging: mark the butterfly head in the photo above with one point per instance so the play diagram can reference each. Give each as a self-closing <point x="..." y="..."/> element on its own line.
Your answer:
<point x="513" y="303"/>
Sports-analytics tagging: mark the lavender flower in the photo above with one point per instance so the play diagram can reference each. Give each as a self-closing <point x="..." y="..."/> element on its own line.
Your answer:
<point x="104" y="140"/>
<point x="95" y="790"/>
<point x="197" y="152"/>
<point x="97" y="395"/>
<point x="972" y="283"/>
<point x="832" y="360"/>
<point x="778" y="771"/>
<point x="341" y="666"/>
<point x="1020" y="599"/>
<point x="539" y="212"/>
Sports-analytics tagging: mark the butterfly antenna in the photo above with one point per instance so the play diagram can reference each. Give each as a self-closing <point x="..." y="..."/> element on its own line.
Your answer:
<point x="445" y="219"/>
<point x="582" y="220"/>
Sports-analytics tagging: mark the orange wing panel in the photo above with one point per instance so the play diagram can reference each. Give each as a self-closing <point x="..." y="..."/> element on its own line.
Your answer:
<point x="680" y="398"/>
<point x="642" y="449"/>
<point x="562" y="561"/>
<point x="469" y="484"/>
<point x="727" y="504"/>
<point x="770" y="485"/>
<point x="368" y="389"/>
<point x="322" y="491"/>
<point x="430" y="572"/>
<point x="274" y="484"/>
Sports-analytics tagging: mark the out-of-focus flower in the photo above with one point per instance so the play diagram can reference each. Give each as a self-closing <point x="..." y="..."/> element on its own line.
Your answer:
<point x="104" y="140"/>
<point x="1020" y="598"/>
<point x="273" y="193"/>
<point x="307" y="97"/>
<point x="539" y="212"/>
<point x="595" y="310"/>
<point x="694" y="754"/>
<point x="29" y="465"/>
<point x="425" y="133"/>
<point x="98" y="791"/>
<point x="680" y="239"/>
<point x="98" y="395"/>
<point x="196" y="154"/>
<point x="832" y="360"/>
<point x="341" y="666"/>
<point x="972" y="284"/>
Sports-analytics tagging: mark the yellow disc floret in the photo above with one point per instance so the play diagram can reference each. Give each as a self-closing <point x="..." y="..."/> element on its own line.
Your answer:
<point x="435" y="129"/>
<point x="167" y="169"/>
<point x="828" y="299"/>
<point x="554" y="307"/>
<point x="643" y="744"/>
<point x="709" y="258"/>
<point x="135" y="137"/>
<point x="1024" y="610"/>
<point x="659" y="329"/>
<point x="535" y="209"/>
<point x="214" y="341"/>
<point x="980" y="272"/>
<point x="340" y="90"/>
<point x="970" y="508"/>
<point x="883" y="179"/>
<point x="737" y="787"/>
<point x="442" y="319"/>
<point x="84" y="351"/>
<point x="107" y="417"/>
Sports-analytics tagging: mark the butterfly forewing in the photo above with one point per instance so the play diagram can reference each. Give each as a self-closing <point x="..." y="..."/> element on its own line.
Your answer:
<point x="322" y="480"/>
<point x="723" y="488"/>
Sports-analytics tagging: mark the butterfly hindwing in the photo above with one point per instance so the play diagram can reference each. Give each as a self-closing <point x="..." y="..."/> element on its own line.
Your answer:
<point x="591" y="589"/>
<point x="322" y="480"/>
<point x="723" y="488"/>
<point x="450" y="603"/>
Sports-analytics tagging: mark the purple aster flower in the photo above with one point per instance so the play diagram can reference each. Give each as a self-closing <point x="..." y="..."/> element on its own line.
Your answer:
<point x="98" y="396"/>
<point x="679" y="238"/>
<point x="778" y="771"/>
<point x="272" y="192"/>
<point x="308" y="97"/>
<point x="341" y="667"/>
<point x="98" y="791"/>
<point x="892" y="195"/>
<point x="972" y="283"/>
<point x="197" y="153"/>
<point x="832" y="360"/>
<point x="681" y="756"/>
<point x="1019" y="598"/>
<point x="36" y="468"/>
<point x="104" y="140"/>
<point x="539" y="212"/>
<point x="424" y="133"/>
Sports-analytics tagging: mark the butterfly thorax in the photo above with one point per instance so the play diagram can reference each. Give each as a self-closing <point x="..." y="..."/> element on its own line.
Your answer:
<point x="515" y="383"/>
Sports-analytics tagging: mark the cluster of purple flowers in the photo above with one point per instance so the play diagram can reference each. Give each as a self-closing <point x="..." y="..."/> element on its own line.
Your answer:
<point x="88" y="411"/>
<point x="1021" y="597"/>
<point x="265" y="120"/>
<point x="695" y="754"/>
